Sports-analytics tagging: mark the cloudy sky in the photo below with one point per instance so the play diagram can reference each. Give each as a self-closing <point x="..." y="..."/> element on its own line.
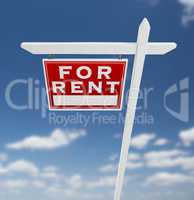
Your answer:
<point x="74" y="155"/>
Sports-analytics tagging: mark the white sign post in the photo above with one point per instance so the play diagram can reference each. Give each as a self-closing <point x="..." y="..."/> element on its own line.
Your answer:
<point x="140" y="49"/>
<point x="142" y="41"/>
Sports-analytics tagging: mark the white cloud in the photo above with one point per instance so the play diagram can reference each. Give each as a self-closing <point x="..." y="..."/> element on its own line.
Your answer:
<point x="108" y="168"/>
<point x="169" y="159"/>
<point x="58" y="138"/>
<point x="162" y="159"/>
<point x="106" y="181"/>
<point x="59" y="191"/>
<point x="187" y="136"/>
<point x="67" y="187"/>
<point x="75" y="185"/>
<point x="18" y="184"/>
<point x="134" y="161"/>
<point x="141" y="141"/>
<point x="134" y="165"/>
<point x="50" y="169"/>
<point x="38" y="184"/>
<point x="166" y="179"/>
<point x="161" y="142"/>
<point x="70" y="193"/>
<point x="133" y="156"/>
<point x="75" y="181"/>
<point x="50" y="172"/>
<point x="28" y="168"/>
<point x="14" y="184"/>
<point x="20" y="166"/>
<point x="187" y="163"/>
<point x="153" y="155"/>
<point x="188" y="11"/>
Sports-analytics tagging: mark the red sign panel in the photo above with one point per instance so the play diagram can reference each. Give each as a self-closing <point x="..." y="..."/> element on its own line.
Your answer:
<point x="85" y="84"/>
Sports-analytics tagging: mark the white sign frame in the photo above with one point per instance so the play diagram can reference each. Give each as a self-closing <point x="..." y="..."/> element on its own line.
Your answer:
<point x="140" y="49"/>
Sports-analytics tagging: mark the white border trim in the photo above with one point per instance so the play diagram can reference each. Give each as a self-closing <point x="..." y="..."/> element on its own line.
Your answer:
<point x="87" y="109"/>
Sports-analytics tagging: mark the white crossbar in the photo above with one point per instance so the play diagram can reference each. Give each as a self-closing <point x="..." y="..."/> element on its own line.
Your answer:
<point x="111" y="48"/>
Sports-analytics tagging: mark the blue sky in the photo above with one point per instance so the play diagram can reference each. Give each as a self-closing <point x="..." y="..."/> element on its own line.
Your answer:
<point x="74" y="155"/>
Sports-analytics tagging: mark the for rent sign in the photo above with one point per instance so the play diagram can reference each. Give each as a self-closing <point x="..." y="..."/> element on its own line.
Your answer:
<point x="85" y="84"/>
